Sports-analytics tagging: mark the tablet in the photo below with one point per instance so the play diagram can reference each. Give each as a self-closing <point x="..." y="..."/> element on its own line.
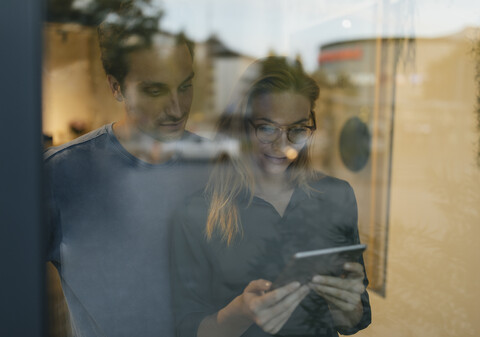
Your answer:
<point x="304" y="265"/>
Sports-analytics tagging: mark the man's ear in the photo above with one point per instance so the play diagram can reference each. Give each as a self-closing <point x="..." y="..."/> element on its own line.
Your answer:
<point x="115" y="88"/>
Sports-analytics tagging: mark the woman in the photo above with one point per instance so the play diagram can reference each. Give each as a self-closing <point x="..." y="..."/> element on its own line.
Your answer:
<point x="259" y="208"/>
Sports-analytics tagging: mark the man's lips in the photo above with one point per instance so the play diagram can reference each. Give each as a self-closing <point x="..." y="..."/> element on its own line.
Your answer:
<point x="171" y="124"/>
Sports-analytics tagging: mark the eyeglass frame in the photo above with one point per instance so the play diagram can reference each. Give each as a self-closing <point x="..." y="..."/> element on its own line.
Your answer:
<point x="285" y="128"/>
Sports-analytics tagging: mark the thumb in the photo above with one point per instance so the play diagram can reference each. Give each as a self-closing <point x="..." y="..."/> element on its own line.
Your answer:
<point x="258" y="286"/>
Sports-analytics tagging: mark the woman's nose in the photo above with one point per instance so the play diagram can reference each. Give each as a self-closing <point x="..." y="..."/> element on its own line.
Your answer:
<point x="283" y="145"/>
<point x="282" y="141"/>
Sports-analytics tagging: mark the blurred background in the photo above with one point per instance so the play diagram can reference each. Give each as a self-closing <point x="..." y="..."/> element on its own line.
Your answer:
<point x="398" y="117"/>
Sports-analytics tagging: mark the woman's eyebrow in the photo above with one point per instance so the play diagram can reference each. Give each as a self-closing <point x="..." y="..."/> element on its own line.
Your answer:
<point x="303" y="120"/>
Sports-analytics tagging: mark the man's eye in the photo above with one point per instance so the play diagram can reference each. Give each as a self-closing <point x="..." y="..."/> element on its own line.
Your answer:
<point x="154" y="91"/>
<point x="185" y="87"/>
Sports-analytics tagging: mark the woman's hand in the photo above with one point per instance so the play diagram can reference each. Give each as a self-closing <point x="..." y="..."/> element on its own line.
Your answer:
<point x="271" y="310"/>
<point x="343" y="294"/>
<point x="268" y="309"/>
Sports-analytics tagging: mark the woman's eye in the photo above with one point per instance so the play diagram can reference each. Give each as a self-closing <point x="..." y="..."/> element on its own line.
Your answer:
<point x="267" y="129"/>
<point x="298" y="131"/>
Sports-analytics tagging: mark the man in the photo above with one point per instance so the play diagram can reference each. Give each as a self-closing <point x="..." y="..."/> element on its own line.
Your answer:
<point x="111" y="191"/>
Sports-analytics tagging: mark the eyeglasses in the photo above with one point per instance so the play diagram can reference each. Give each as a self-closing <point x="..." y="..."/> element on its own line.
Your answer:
<point x="296" y="134"/>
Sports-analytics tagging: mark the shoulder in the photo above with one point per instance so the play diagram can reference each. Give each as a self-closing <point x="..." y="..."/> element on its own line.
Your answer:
<point x="326" y="183"/>
<point x="194" y="207"/>
<point x="190" y="136"/>
<point x="190" y="216"/>
<point x="331" y="191"/>
<point x="79" y="145"/>
<point x="336" y="198"/>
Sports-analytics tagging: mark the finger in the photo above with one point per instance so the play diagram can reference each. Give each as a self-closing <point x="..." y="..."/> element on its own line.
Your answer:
<point x="274" y="325"/>
<point x="288" y="302"/>
<point x="344" y="306"/>
<point x="354" y="285"/>
<point x="332" y="281"/>
<point x="280" y="317"/>
<point x="258" y="286"/>
<point x="277" y="295"/>
<point x="339" y="294"/>
<point x="354" y="268"/>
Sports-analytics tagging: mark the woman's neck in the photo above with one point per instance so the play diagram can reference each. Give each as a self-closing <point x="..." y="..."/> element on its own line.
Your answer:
<point x="271" y="185"/>
<point x="275" y="189"/>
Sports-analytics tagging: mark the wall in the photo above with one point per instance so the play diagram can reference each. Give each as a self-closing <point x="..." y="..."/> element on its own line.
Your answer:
<point x="75" y="88"/>
<point x="432" y="275"/>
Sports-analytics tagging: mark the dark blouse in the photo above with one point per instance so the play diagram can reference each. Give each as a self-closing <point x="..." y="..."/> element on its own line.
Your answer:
<point x="207" y="275"/>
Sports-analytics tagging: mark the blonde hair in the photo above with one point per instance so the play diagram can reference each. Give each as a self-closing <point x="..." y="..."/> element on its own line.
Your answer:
<point x="232" y="177"/>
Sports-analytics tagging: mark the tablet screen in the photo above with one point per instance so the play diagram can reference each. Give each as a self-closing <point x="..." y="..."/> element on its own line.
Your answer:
<point x="304" y="265"/>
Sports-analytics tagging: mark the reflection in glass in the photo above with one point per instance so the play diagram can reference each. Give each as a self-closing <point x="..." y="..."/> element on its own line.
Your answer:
<point x="259" y="209"/>
<point x="407" y="70"/>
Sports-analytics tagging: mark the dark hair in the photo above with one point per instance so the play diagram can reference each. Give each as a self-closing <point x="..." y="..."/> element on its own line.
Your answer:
<point x="128" y="30"/>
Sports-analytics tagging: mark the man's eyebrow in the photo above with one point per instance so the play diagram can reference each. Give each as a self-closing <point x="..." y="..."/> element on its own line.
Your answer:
<point x="165" y="85"/>
<point x="273" y="122"/>
<point x="154" y="84"/>
<point x="189" y="77"/>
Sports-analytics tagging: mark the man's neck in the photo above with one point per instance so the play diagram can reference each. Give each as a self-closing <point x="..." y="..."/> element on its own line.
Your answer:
<point x="141" y="145"/>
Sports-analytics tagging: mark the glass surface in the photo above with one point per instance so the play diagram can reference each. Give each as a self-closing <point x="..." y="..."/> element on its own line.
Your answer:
<point x="397" y="117"/>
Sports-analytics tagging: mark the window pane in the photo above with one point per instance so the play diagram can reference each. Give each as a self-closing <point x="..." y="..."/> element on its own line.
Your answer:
<point x="397" y="118"/>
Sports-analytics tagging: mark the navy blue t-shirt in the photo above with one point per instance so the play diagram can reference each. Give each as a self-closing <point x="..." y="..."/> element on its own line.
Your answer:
<point x="108" y="218"/>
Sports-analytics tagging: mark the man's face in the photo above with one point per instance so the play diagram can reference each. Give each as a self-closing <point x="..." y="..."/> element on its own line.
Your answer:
<point x="157" y="91"/>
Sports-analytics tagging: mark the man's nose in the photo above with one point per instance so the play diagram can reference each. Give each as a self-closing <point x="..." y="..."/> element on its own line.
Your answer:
<point x="172" y="107"/>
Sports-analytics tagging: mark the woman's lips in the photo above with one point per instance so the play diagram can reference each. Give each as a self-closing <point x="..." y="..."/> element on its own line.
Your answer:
<point x="276" y="159"/>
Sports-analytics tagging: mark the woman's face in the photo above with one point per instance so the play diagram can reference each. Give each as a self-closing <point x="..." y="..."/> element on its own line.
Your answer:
<point x="272" y="149"/>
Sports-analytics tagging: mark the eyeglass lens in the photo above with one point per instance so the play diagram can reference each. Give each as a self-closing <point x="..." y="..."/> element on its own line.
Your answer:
<point x="269" y="133"/>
